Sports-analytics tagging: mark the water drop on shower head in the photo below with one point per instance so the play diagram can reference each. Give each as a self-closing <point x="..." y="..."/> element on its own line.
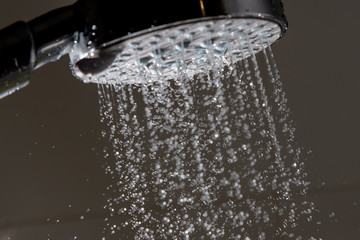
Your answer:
<point x="184" y="41"/>
<point x="175" y="50"/>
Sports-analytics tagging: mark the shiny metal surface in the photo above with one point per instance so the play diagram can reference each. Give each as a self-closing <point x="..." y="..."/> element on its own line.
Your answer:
<point x="25" y="46"/>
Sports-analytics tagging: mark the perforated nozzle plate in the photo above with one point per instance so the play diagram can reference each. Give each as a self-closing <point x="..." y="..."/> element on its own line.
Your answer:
<point x="181" y="50"/>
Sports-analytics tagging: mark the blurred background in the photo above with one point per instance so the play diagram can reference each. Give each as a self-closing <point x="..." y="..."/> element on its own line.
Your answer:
<point x="51" y="176"/>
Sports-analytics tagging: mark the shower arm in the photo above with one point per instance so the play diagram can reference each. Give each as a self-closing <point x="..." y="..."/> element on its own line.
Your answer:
<point x="28" y="46"/>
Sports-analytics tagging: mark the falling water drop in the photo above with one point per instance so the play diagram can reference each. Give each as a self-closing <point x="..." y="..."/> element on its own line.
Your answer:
<point x="210" y="155"/>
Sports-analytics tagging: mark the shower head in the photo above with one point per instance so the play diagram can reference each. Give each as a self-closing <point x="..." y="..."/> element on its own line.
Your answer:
<point x="186" y="39"/>
<point x="137" y="39"/>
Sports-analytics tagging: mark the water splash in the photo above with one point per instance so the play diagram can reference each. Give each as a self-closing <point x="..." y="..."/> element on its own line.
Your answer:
<point x="210" y="156"/>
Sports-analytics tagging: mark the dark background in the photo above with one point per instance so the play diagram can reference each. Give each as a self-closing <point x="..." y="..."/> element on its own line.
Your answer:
<point x="51" y="180"/>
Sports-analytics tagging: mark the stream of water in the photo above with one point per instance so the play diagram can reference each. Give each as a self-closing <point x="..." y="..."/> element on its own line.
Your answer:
<point x="211" y="156"/>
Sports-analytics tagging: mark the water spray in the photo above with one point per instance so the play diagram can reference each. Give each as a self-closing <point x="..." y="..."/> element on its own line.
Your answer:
<point x="198" y="144"/>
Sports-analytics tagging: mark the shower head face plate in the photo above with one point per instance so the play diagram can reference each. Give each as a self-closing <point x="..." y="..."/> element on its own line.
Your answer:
<point x="175" y="50"/>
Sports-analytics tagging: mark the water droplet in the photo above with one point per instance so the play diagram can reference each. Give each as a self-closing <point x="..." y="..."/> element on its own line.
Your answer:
<point x="191" y="145"/>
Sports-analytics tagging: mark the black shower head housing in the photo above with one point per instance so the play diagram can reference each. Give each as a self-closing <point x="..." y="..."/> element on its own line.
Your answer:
<point x="96" y="32"/>
<point x="114" y="21"/>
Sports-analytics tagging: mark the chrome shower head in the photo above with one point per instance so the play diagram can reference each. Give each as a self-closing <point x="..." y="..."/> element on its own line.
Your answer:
<point x="150" y="37"/>
<point x="186" y="39"/>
